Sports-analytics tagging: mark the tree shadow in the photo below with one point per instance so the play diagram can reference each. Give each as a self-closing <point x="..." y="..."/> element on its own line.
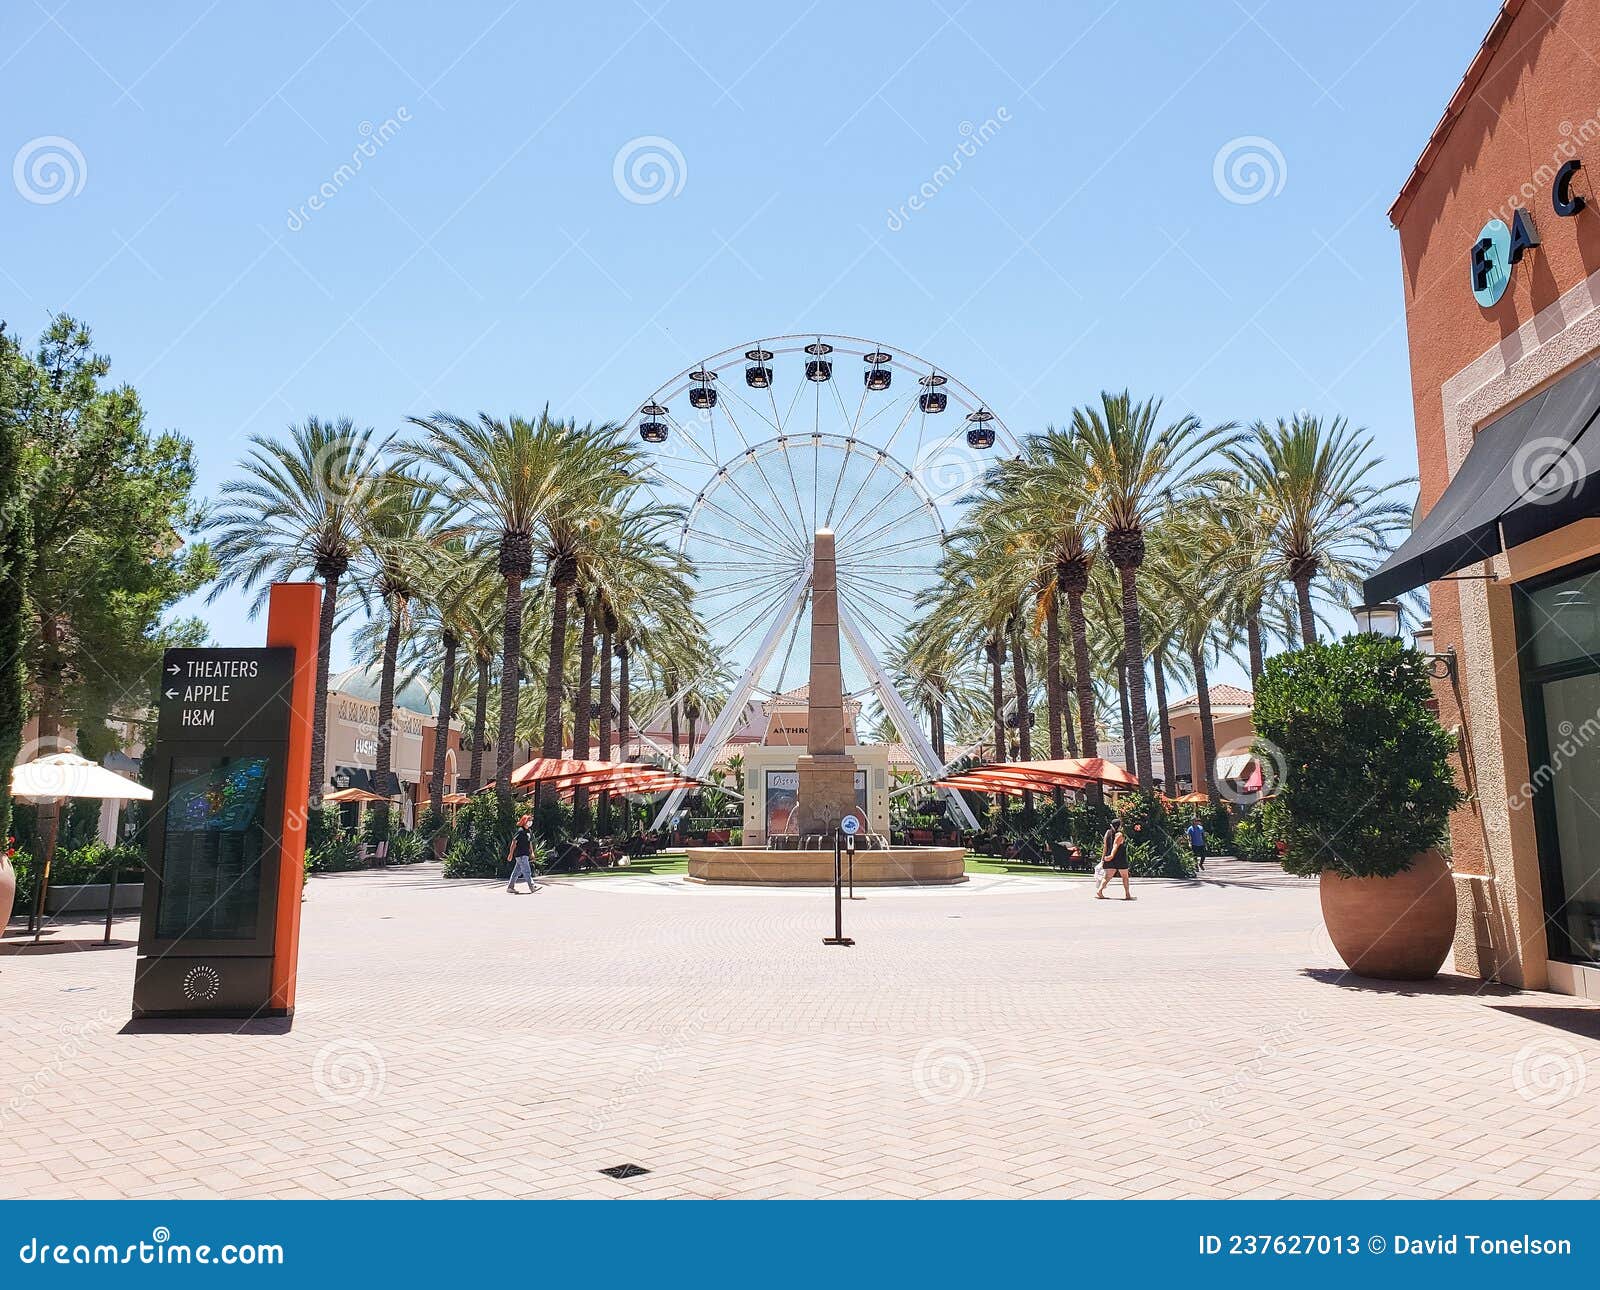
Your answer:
<point x="1447" y="985"/>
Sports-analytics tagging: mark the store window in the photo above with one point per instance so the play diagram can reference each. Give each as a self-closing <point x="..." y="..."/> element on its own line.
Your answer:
<point x="1558" y="625"/>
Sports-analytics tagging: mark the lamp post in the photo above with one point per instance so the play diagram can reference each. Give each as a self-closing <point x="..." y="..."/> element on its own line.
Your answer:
<point x="1381" y="619"/>
<point x="1441" y="667"/>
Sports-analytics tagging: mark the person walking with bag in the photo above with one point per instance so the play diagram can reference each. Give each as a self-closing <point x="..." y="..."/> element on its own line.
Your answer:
<point x="1114" y="861"/>
<point x="520" y="854"/>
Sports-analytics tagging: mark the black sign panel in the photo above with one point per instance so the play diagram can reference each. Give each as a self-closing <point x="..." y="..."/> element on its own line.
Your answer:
<point x="225" y="695"/>
<point x="213" y="848"/>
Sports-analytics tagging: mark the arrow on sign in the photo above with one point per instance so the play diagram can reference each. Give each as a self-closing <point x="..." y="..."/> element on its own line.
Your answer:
<point x="171" y="694"/>
<point x="174" y="669"/>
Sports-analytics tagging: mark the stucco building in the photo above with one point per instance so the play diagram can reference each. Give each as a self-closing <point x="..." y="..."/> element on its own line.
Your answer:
<point x="1499" y="230"/>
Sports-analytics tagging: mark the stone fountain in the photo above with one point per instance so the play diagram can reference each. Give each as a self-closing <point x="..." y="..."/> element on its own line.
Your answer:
<point x="826" y="790"/>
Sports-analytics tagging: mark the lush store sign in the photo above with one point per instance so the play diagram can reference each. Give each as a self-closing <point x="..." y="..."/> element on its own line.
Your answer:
<point x="1499" y="248"/>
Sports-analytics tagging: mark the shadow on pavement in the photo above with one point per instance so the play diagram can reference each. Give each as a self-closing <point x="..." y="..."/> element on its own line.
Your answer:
<point x="208" y="1026"/>
<point x="1445" y="985"/>
<point x="1575" y="1020"/>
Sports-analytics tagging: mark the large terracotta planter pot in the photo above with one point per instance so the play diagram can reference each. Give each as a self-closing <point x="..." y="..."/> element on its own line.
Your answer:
<point x="8" y="891"/>
<point x="1394" y="929"/>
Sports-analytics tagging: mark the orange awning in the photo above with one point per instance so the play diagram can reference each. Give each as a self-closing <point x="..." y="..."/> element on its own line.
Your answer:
<point x="339" y="796"/>
<point x="977" y="784"/>
<point x="1089" y="768"/>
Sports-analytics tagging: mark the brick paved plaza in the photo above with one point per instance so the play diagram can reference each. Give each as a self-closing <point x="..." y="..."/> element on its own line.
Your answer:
<point x="1011" y="1037"/>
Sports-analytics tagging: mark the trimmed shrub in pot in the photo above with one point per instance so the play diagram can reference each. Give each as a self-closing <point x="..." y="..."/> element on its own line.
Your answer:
<point x="1367" y="792"/>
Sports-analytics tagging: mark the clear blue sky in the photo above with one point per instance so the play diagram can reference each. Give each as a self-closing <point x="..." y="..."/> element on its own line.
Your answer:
<point x="484" y="256"/>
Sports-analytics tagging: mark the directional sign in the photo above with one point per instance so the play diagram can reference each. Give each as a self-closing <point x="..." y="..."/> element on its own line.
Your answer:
<point x="850" y="826"/>
<point x="224" y="695"/>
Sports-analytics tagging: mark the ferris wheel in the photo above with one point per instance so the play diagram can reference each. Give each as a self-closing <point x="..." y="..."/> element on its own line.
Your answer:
<point x="765" y="443"/>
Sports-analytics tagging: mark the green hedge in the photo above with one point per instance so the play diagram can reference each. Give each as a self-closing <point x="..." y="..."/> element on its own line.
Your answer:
<point x="1368" y="781"/>
<point x="80" y="865"/>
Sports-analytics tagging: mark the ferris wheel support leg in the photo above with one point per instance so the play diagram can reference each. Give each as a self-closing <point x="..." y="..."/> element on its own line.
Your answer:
<point x="705" y="756"/>
<point x="901" y="715"/>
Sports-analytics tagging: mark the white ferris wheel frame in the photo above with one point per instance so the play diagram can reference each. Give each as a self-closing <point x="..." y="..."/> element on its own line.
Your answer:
<point x="791" y="598"/>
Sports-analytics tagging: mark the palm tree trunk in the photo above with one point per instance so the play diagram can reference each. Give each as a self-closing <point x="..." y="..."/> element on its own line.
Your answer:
<point x="384" y="758"/>
<point x="562" y="590"/>
<point x="1252" y="635"/>
<point x="605" y="713"/>
<point x="319" y="712"/>
<point x="1308" y="619"/>
<point x="1083" y="683"/>
<point x="1169" y="763"/>
<point x="510" y="691"/>
<point x="441" y="727"/>
<point x="480" y="722"/>
<point x="1133" y="647"/>
<point x="997" y="697"/>
<point x="1019" y="679"/>
<point x="582" y="707"/>
<point x="1127" y="718"/>
<point x="623" y="731"/>
<point x="692" y="716"/>
<point x="1054" y="697"/>
<point x="674" y="721"/>
<point x="1208" y="733"/>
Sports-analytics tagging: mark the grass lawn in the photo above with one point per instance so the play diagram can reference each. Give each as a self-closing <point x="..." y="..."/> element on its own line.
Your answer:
<point x="676" y="862"/>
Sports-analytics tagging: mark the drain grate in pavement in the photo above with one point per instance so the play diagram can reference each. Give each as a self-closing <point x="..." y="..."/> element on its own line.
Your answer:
<point x="625" y="1171"/>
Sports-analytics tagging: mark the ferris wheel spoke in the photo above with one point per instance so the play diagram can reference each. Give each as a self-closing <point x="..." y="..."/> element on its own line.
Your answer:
<point x="767" y="598"/>
<point x="861" y="551"/>
<point x="878" y="464"/>
<point x="763" y="540"/>
<point x="794" y="635"/>
<point x="739" y="586"/>
<point x="887" y="525"/>
<point x="757" y="509"/>
<point x="756" y="460"/>
<point x="683" y="431"/>
<point x="879" y="587"/>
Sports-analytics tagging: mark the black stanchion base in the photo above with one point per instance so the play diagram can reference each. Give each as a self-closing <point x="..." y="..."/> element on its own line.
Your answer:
<point x="837" y="940"/>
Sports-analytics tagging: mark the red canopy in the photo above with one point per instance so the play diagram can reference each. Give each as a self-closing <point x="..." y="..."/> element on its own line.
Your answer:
<point x="980" y="784"/>
<point x="1042" y="776"/>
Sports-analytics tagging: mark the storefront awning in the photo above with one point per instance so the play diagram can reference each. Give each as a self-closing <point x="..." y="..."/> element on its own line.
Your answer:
<point x="1528" y="473"/>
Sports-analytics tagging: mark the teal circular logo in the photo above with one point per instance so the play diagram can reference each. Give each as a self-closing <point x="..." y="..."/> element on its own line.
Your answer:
<point x="1491" y="263"/>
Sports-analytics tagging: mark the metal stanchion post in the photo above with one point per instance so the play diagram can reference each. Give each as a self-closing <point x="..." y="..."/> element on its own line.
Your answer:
<point x="838" y="937"/>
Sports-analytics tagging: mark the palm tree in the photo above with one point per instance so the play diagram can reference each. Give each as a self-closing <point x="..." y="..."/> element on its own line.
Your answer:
<point x="597" y="467"/>
<point x="500" y="478"/>
<point x="400" y="554"/>
<point x="1132" y="469"/>
<point x="1326" y="517"/>
<point x="300" y="506"/>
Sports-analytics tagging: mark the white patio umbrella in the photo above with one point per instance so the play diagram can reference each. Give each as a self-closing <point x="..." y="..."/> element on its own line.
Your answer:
<point x="47" y="780"/>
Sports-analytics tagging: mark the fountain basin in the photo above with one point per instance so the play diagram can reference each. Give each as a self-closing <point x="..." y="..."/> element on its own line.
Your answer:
<point x="885" y="867"/>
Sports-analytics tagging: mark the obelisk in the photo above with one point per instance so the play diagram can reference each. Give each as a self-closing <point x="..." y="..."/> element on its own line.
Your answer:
<point x="825" y="774"/>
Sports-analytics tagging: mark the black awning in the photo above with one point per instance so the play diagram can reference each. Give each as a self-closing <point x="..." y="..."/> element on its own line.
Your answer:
<point x="1530" y="472"/>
